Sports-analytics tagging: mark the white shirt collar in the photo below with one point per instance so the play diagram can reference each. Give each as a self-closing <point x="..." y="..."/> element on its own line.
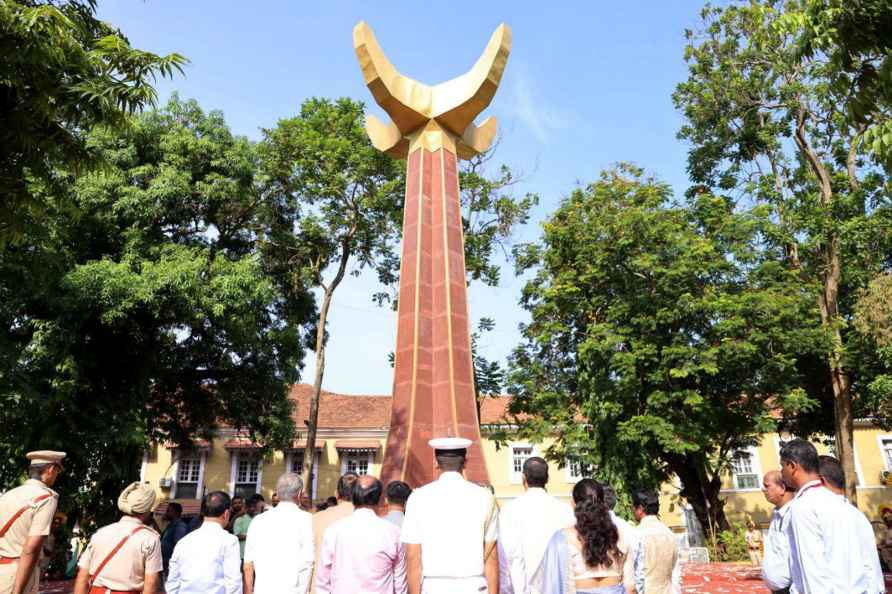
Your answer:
<point x="451" y="475"/>
<point x="210" y="525"/>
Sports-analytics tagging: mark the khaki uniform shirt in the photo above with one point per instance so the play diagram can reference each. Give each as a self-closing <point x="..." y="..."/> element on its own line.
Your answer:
<point x="126" y="571"/>
<point x="36" y="521"/>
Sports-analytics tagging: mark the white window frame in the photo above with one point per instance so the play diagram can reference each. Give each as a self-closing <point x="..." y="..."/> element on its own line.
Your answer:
<point x="202" y="456"/>
<point x="347" y="453"/>
<point x="572" y="477"/>
<point x="755" y="468"/>
<point x="858" y="475"/>
<point x="517" y="476"/>
<point x="289" y="457"/>
<point x="233" y="470"/>
<point x="887" y="460"/>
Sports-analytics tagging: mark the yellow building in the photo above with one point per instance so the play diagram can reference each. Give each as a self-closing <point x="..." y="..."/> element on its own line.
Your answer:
<point x="353" y="430"/>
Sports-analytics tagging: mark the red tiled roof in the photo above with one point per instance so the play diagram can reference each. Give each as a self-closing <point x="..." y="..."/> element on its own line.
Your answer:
<point x="300" y="444"/>
<point x="241" y="443"/>
<point x="357" y="444"/>
<point x="200" y="444"/>
<point x="369" y="411"/>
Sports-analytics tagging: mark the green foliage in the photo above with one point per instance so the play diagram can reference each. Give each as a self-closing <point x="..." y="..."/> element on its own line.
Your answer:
<point x="771" y="124"/>
<point x="62" y="72"/>
<point x="145" y="312"/>
<point x="661" y="328"/>
<point x="333" y="196"/>
<point x="488" y="375"/>
<point x="857" y="38"/>
<point x="729" y="545"/>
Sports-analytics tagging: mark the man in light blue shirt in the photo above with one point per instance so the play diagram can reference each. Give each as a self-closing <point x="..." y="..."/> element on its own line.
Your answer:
<point x="207" y="560"/>
<point x="823" y="558"/>
<point x="868" y="576"/>
<point x="776" y="561"/>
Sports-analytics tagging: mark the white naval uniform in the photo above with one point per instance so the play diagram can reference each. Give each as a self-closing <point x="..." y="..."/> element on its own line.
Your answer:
<point x="451" y="518"/>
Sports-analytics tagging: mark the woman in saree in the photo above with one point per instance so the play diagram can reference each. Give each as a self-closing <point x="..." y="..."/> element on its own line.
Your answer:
<point x="592" y="557"/>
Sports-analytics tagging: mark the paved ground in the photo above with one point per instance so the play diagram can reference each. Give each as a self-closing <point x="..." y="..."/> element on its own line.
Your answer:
<point x="705" y="578"/>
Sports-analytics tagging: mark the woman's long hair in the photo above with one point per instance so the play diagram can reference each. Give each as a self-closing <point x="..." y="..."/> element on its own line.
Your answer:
<point x="594" y="525"/>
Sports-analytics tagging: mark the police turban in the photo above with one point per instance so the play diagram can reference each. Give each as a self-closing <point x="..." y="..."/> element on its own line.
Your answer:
<point x="138" y="498"/>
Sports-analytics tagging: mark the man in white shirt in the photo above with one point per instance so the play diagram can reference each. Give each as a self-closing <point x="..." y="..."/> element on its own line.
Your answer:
<point x="450" y="530"/>
<point x="867" y="571"/>
<point x="823" y="558"/>
<point x="279" y="550"/>
<point x="776" y="560"/>
<point x="207" y="560"/>
<point x="525" y="527"/>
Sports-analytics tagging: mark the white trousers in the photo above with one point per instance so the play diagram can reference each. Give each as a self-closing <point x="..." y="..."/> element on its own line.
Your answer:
<point x="469" y="585"/>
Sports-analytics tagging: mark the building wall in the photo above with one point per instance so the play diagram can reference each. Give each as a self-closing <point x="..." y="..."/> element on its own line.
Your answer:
<point x="740" y="502"/>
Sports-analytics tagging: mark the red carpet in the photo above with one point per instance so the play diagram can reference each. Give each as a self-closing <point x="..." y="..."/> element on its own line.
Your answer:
<point x="706" y="578"/>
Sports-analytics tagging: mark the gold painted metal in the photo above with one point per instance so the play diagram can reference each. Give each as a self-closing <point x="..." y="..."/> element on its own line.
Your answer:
<point x="414" y="107"/>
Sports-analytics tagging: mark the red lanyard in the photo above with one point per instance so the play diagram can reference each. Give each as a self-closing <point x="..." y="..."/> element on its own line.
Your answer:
<point x="811" y="486"/>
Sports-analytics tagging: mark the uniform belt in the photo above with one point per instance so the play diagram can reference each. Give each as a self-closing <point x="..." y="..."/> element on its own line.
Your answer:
<point x="103" y="590"/>
<point x="8" y="560"/>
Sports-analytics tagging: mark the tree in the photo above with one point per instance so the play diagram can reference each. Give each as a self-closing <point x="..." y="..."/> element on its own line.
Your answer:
<point x="147" y="315"/>
<point x="656" y="337"/>
<point x="768" y="124"/>
<point x="335" y="204"/>
<point x="63" y="72"/>
<point x="857" y="39"/>
<point x="333" y="200"/>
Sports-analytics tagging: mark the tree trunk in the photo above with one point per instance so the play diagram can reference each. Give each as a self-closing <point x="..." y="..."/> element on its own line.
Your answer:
<point x="828" y="302"/>
<point x="843" y="417"/>
<point x="310" y="448"/>
<point x="702" y="493"/>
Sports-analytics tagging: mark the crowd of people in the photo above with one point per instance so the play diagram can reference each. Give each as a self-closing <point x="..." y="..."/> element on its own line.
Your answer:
<point x="817" y="541"/>
<point x="448" y="536"/>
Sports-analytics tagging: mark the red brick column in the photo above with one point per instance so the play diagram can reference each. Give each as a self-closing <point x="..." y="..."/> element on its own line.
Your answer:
<point x="433" y="386"/>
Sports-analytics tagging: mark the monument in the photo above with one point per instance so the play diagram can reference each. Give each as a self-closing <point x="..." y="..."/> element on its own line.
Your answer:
<point x="432" y="127"/>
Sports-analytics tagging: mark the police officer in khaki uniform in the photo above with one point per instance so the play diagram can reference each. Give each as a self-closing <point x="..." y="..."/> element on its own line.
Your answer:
<point x="124" y="556"/>
<point x="26" y="516"/>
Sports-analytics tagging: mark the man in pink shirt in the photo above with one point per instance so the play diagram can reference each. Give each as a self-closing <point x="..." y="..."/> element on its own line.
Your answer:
<point x="362" y="552"/>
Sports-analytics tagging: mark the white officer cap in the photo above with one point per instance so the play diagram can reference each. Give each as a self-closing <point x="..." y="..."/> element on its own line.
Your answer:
<point x="41" y="457"/>
<point x="450" y="443"/>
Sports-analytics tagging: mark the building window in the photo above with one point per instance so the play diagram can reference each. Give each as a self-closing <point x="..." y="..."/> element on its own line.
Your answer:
<point x="886" y="445"/>
<point x="246" y="473"/>
<point x="519" y="455"/>
<point x="356" y="461"/>
<point x="188" y="474"/>
<point x="294" y="462"/>
<point x="576" y="471"/>
<point x="743" y="469"/>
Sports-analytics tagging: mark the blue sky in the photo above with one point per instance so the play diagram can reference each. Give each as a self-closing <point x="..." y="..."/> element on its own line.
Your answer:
<point x="587" y="85"/>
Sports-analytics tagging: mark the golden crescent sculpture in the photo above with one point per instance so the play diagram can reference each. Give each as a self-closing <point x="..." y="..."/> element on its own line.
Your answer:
<point x="418" y="111"/>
